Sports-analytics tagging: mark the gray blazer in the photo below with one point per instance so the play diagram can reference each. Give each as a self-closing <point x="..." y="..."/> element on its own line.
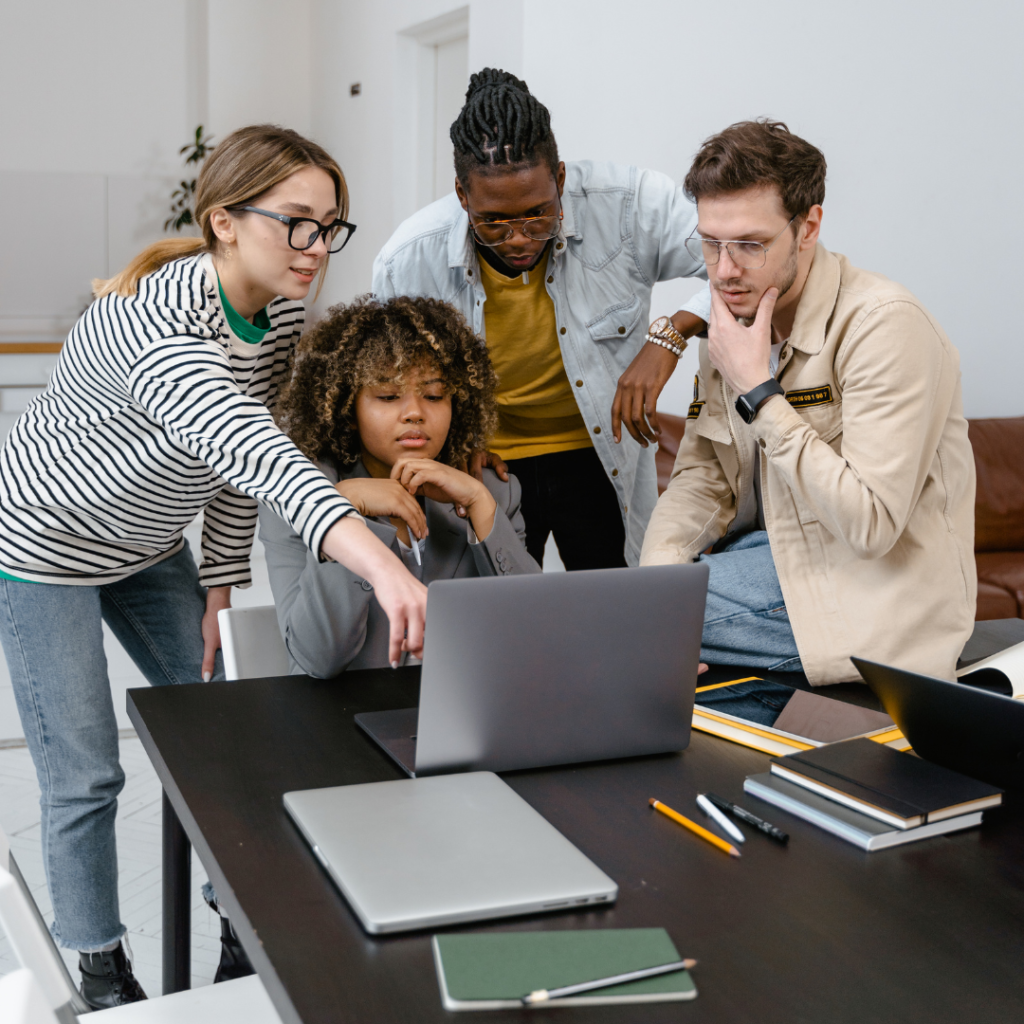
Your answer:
<point x="327" y="618"/>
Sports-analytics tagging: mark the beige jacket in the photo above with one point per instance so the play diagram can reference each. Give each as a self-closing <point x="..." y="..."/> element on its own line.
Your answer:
<point x="867" y="476"/>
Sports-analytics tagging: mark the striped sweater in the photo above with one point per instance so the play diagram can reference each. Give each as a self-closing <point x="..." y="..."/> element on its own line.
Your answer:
<point x="155" y="412"/>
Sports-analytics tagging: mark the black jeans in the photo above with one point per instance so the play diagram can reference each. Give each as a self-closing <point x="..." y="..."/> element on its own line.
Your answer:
<point x="569" y="494"/>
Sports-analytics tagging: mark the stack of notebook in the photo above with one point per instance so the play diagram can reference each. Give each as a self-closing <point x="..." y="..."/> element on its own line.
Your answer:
<point x="871" y="795"/>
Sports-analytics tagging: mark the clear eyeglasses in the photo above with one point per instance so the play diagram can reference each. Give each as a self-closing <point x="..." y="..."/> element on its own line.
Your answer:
<point x="748" y="255"/>
<point x="304" y="231"/>
<point x="494" y="232"/>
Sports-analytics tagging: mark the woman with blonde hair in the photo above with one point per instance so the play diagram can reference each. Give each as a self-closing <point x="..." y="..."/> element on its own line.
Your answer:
<point x="159" y="408"/>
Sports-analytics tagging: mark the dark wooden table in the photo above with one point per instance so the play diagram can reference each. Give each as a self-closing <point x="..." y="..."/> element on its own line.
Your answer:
<point x="818" y="931"/>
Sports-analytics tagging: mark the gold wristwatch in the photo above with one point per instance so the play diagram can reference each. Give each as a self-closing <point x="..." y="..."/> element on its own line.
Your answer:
<point x="662" y="333"/>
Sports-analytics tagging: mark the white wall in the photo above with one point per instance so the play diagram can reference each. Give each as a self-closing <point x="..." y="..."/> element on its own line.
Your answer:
<point x="259" y="54"/>
<point x="90" y="127"/>
<point x="98" y="99"/>
<point x="915" y="104"/>
<point x="373" y="135"/>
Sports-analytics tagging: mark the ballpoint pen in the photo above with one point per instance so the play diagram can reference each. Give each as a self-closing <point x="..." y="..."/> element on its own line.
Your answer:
<point x="751" y="819"/>
<point x="543" y="995"/>
<point x="719" y="818"/>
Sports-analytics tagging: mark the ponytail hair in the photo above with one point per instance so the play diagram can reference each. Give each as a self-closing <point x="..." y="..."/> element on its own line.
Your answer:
<point x="248" y="163"/>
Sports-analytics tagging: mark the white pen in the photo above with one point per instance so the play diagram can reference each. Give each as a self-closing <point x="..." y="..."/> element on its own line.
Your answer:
<point x="719" y="818"/>
<point x="416" y="551"/>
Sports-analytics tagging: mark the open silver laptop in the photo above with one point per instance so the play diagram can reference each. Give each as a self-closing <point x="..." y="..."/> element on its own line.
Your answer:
<point x="557" y="668"/>
<point x="423" y="853"/>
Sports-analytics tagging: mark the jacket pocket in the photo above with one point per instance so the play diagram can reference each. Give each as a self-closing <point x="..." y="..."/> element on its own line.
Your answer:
<point x="616" y="322"/>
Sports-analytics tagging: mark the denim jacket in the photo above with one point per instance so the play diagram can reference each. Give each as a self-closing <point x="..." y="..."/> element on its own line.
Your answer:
<point x="623" y="230"/>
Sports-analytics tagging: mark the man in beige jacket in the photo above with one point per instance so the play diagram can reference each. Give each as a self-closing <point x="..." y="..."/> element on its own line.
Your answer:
<point x="826" y="456"/>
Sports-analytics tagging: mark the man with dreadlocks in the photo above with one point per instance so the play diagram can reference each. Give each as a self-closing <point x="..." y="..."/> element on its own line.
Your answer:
<point x="553" y="264"/>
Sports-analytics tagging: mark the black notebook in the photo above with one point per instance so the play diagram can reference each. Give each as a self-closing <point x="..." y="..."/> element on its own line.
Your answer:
<point x="897" y="788"/>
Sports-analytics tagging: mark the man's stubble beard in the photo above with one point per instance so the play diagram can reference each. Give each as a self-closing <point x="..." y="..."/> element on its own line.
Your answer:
<point x="787" y="278"/>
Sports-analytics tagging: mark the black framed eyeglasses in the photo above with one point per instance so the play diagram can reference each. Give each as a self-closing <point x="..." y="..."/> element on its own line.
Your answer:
<point x="540" y="229"/>
<point x="748" y="255"/>
<point x="304" y="231"/>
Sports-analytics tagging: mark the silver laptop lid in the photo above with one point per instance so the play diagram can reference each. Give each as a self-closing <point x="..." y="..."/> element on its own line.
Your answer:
<point x="421" y="853"/>
<point x="528" y="671"/>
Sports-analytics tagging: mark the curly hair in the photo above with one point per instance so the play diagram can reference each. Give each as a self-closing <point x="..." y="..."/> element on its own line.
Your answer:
<point x="369" y="342"/>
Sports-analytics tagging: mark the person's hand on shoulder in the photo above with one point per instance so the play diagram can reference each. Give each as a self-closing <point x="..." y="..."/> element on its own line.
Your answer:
<point x="446" y="484"/>
<point x="479" y="461"/>
<point x="389" y="498"/>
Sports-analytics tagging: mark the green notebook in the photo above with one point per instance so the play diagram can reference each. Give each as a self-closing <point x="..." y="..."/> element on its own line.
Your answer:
<point x="493" y="971"/>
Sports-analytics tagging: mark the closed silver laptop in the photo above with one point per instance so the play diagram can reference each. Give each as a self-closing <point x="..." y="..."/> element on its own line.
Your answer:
<point x="422" y="853"/>
<point x="556" y="668"/>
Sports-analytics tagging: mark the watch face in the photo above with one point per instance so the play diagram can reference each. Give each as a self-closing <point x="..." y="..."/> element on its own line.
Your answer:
<point x="659" y="325"/>
<point x="744" y="408"/>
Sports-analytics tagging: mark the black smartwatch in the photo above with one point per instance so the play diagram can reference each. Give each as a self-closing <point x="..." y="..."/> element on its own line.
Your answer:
<point x="748" y="404"/>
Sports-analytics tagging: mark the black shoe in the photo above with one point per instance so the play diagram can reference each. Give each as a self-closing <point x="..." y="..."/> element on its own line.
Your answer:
<point x="107" y="979"/>
<point x="233" y="961"/>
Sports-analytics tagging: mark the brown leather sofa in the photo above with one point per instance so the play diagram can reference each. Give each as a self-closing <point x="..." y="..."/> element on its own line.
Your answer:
<point x="999" y="516"/>
<point x="998" y="511"/>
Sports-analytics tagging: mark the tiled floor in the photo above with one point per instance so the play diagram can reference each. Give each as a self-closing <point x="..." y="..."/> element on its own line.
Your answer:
<point x="138" y="844"/>
<point x="139" y="833"/>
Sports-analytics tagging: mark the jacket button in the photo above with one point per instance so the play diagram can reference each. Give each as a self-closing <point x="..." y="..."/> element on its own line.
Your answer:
<point x="579" y="383"/>
<point x="761" y="442"/>
<point x="366" y="585"/>
<point x="615" y="472"/>
<point x="622" y="330"/>
<point x="597" y="430"/>
<point x="469" y="273"/>
<point x="561" y="330"/>
<point x="550" y="279"/>
<point x="558" y="245"/>
<point x="625" y="508"/>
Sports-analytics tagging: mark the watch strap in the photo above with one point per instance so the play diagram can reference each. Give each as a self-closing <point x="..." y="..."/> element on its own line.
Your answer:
<point x="748" y="404"/>
<point x="663" y="329"/>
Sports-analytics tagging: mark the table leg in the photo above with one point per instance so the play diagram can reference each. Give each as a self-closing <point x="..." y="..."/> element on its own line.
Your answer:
<point x="177" y="911"/>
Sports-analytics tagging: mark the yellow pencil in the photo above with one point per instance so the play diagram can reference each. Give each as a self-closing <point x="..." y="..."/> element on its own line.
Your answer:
<point x="695" y="828"/>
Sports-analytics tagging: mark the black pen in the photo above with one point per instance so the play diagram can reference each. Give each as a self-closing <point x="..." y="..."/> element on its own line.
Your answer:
<point x="751" y="819"/>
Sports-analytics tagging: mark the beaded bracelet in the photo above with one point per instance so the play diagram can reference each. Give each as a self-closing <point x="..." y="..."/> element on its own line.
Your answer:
<point x="674" y="349"/>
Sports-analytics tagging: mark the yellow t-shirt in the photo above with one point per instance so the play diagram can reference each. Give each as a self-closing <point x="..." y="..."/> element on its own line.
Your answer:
<point x="537" y="412"/>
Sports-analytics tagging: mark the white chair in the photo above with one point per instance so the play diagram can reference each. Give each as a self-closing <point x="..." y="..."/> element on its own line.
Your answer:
<point x="33" y="945"/>
<point x="243" y="1001"/>
<point x="22" y="1000"/>
<point x="251" y="642"/>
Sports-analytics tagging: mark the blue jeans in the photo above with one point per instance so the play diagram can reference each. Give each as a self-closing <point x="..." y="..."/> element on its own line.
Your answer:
<point x="53" y="639"/>
<point x="745" y="621"/>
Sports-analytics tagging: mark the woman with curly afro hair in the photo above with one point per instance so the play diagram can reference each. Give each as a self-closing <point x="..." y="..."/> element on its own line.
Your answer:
<point x="390" y="399"/>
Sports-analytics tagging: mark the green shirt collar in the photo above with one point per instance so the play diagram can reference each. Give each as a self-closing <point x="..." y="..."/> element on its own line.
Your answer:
<point x="250" y="333"/>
